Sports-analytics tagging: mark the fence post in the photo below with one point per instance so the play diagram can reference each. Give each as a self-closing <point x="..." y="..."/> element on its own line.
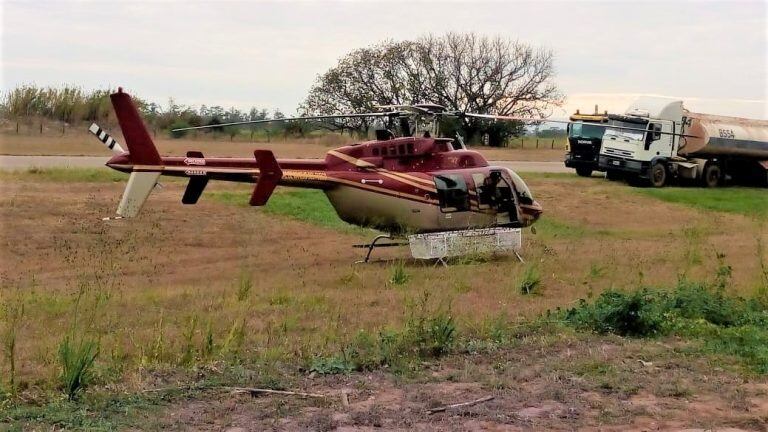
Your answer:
<point x="522" y="143"/>
<point x="553" y="143"/>
<point x="537" y="143"/>
<point x="41" y="128"/>
<point x="17" y="127"/>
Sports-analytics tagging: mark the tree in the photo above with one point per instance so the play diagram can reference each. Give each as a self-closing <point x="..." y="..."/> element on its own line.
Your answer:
<point x="464" y="72"/>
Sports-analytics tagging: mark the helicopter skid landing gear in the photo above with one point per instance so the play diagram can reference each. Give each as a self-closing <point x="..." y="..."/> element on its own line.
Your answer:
<point x="374" y="245"/>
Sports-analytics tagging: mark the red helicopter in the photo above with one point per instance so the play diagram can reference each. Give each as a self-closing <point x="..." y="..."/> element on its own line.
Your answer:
<point x="396" y="185"/>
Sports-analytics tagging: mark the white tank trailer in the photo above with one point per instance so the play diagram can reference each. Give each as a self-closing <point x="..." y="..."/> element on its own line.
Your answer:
<point x="657" y="140"/>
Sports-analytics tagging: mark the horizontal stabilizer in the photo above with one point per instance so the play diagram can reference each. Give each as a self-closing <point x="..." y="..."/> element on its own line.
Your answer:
<point x="137" y="191"/>
<point x="194" y="189"/>
<point x="269" y="176"/>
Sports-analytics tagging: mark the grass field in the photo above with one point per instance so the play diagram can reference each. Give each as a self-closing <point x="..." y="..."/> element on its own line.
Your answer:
<point x="746" y="201"/>
<point x="182" y="302"/>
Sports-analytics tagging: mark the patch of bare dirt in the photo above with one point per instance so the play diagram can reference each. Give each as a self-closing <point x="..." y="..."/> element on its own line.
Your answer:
<point x="555" y="397"/>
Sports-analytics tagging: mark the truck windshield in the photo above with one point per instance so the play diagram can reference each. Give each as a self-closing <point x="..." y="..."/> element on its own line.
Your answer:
<point x="586" y="130"/>
<point x="636" y="134"/>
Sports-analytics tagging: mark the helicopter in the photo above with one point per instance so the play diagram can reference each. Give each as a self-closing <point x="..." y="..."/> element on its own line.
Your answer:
<point x="397" y="185"/>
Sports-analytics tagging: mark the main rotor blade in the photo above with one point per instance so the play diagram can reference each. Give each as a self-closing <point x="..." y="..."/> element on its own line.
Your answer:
<point x="412" y="108"/>
<point x="316" y="117"/>
<point x="532" y="120"/>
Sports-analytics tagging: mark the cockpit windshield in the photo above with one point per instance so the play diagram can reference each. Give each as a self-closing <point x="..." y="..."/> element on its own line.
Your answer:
<point x="522" y="189"/>
<point x="631" y="130"/>
<point x="586" y="130"/>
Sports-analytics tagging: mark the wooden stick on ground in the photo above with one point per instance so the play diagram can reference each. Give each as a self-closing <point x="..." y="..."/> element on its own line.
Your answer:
<point x="460" y="405"/>
<point x="257" y="391"/>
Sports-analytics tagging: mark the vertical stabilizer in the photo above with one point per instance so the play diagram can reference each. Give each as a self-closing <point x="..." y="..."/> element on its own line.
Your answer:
<point x="139" y="186"/>
<point x="141" y="149"/>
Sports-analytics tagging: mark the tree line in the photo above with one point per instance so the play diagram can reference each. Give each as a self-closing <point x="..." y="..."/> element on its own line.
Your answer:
<point x="72" y="104"/>
<point x="463" y="72"/>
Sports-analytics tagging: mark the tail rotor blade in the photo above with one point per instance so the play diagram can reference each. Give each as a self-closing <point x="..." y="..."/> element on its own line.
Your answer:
<point x="104" y="137"/>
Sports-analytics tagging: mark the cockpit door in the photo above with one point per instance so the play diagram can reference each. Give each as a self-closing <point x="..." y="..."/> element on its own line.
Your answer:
<point x="494" y="193"/>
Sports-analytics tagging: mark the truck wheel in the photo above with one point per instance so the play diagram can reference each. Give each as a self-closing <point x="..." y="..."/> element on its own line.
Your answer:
<point x="711" y="176"/>
<point x="584" y="172"/>
<point x="658" y="175"/>
<point x="613" y="175"/>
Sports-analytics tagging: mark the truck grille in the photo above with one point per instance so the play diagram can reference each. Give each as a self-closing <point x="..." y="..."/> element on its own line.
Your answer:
<point x="617" y="152"/>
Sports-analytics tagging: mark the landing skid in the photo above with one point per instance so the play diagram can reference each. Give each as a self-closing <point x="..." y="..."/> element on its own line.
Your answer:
<point x="442" y="245"/>
<point x="371" y="246"/>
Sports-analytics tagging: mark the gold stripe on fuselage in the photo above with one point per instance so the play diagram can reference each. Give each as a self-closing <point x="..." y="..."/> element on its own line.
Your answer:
<point x="408" y="182"/>
<point x="384" y="191"/>
<point x="426" y="184"/>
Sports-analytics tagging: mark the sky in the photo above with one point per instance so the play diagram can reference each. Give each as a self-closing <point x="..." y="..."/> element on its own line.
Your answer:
<point x="712" y="55"/>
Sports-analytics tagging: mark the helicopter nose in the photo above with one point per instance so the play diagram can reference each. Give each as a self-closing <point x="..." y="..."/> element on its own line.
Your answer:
<point x="531" y="212"/>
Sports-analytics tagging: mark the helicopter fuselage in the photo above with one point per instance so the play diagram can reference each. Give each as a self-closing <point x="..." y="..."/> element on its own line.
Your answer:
<point x="402" y="185"/>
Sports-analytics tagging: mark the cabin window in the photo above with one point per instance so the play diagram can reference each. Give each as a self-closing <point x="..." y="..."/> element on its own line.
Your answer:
<point x="452" y="193"/>
<point x="375" y="151"/>
<point x="392" y="151"/>
<point x="411" y="150"/>
<point x="401" y="149"/>
<point x="383" y="151"/>
<point x="483" y="190"/>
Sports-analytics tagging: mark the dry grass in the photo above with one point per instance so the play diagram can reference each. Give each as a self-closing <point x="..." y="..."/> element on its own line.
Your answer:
<point x="183" y="288"/>
<point x="174" y="264"/>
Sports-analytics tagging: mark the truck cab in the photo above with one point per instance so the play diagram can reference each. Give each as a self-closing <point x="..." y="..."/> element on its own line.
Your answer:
<point x="637" y="144"/>
<point x="585" y="135"/>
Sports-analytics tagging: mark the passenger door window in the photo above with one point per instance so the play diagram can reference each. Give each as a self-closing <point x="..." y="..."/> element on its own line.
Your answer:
<point x="452" y="193"/>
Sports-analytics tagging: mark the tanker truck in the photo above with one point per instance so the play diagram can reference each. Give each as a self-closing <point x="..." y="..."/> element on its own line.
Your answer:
<point x="585" y="136"/>
<point x="657" y="141"/>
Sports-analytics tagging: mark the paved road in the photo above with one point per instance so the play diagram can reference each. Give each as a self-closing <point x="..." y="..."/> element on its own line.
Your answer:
<point x="24" y="162"/>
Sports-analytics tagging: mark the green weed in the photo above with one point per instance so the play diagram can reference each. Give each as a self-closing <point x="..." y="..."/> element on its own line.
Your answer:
<point x="234" y="341"/>
<point x="76" y="357"/>
<point x="398" y="274"/>
<point x="208" y="346"/>
<point x="428" y="333"/>
<point x="596" y="271"/>
<point x="188" y="353"/>
<point x="12" y="314"/>
<point x="244" y="285"/>
<point x="530" y="280"/>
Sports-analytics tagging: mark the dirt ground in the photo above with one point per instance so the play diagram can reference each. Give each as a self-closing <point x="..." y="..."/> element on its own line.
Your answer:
<point x="173" y="263"/>
<point x="530" y="389"/>
<point x="79" y="144"/>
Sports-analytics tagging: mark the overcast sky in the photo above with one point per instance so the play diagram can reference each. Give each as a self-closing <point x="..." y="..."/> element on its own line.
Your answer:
<point x="710" y="54"/>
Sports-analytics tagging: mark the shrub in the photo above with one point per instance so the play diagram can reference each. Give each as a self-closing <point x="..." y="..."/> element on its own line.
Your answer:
<point x="178" y="124"/>
<point x="627" y="314"/>
<point x="724" y="324"/>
